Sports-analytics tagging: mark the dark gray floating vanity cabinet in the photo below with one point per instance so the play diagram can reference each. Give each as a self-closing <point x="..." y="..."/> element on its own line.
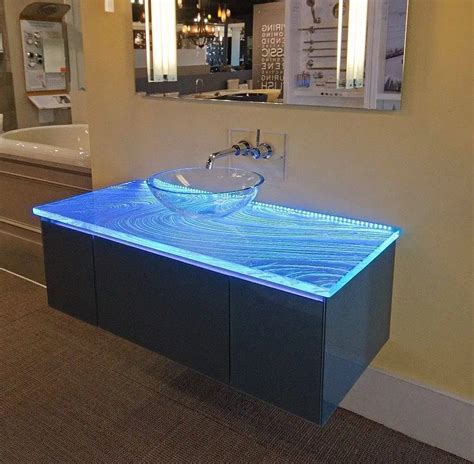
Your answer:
<point x="297" y="353"/>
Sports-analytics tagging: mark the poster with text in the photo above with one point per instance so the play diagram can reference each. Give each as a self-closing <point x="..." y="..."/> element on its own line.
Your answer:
<point x="269" y="45"/>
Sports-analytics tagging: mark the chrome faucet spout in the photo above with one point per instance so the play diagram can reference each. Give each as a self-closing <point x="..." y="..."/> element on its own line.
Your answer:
<point x="241" y="148"/>
<point x="218" y="154"/>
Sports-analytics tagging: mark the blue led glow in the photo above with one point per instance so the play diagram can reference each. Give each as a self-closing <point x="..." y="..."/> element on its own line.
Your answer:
<point x="302" y="252"/>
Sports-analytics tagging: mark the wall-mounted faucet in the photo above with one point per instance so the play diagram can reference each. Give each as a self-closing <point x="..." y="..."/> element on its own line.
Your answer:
<point x="199" y="85"/>
<point x="243" y="148"/>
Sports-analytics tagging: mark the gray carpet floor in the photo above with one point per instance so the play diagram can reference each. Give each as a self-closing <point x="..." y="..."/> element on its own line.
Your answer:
<point x="71" y="393"/>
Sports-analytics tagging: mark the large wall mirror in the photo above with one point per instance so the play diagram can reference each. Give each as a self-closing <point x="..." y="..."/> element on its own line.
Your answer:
<point x="343" y="53"/>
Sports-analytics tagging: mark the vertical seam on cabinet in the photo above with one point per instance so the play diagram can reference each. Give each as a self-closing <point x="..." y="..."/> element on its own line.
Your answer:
<point x="95" y="280"/>
<point x="323" y="356"/>
<point x="229" y="313"/>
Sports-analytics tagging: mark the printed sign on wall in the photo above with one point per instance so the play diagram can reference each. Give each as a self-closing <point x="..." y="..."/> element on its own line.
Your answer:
<point x="44" y="55"/>
<point x="269" y="45"/>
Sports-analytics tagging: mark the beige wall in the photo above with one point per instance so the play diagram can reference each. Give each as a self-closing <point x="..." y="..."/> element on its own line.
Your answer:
<point x="411" y="168"/>
<point x="79" y="106"/>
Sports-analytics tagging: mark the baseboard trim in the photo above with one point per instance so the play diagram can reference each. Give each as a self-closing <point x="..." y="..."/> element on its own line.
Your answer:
<point x="20" y="230"/>
<point x="22" y="277"/>
<point x="433" y="417"/>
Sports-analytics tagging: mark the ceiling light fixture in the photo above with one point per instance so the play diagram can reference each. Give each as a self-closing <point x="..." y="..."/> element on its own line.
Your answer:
<point x="201" y="33"/>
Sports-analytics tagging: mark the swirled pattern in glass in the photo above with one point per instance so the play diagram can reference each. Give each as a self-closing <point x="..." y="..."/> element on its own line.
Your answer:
<point x="306" y="253"/>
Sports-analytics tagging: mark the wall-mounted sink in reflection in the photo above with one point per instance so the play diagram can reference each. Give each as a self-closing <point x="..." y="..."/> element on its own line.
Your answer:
<point x="258" y="95"/>
<point x="244" y="96"/>
<point x="201" y="192"/>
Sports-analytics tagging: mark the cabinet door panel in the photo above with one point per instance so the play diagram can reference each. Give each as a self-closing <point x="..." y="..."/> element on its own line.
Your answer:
<point x="69" y="269"/>
<point x="175" y="309"/>
<point x="357" y="327"/>
<point x="276" y="347"/>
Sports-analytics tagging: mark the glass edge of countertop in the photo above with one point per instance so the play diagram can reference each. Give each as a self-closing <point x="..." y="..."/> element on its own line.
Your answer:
<point x="272" y="280"/>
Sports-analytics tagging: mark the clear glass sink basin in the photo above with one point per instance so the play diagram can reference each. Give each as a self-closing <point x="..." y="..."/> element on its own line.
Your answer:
<point x="201" y="192"/>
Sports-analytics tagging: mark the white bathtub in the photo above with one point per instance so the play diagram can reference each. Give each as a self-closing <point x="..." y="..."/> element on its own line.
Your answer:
<point x="65" y="145"/>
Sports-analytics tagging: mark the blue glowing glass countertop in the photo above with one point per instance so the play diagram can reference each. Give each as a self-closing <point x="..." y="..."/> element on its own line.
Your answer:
<point x="306" y="253"/>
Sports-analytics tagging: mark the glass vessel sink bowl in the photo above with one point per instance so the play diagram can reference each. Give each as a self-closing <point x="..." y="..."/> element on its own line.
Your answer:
<point x="201" y="192"/>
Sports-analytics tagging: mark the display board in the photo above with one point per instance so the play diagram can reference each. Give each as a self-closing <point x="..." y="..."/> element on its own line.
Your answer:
<point x="44" y="55"/>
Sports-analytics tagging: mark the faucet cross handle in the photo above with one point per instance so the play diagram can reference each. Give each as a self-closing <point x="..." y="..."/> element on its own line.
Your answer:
<point x="266" y="150"/>
<point x="242" y="148"/>
<point x="262" y="149"/>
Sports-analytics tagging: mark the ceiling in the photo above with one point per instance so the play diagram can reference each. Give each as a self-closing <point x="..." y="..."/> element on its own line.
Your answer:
<point x="237" y="7"/>
<point x="240" y="9"/>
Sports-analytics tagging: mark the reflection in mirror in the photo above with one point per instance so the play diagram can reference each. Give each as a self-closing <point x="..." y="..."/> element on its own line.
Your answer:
<point x="353" y="59"/>
<point x="215" y="49"/>
<point x="347" y="53"/>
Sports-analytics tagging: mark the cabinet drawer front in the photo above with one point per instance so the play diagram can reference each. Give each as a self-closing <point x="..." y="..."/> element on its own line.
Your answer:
<point x="276" y="347"/>
<point x="69" y="269"/>
<point x="175" y="309"/>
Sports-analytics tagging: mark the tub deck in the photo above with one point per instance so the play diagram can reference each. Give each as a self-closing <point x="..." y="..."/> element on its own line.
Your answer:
<point x="52" y="146"/>
<point x="33" y="171"/>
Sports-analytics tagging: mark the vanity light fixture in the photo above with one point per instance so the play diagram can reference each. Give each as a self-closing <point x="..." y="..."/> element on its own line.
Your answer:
<point x="340" y="21"/>
<point x="357" y="33"/>
<point x="161" y="46"/>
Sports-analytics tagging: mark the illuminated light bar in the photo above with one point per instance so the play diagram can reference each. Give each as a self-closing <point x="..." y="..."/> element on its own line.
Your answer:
<point x="356" y="40"/>
<point x="161" y="42"/>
